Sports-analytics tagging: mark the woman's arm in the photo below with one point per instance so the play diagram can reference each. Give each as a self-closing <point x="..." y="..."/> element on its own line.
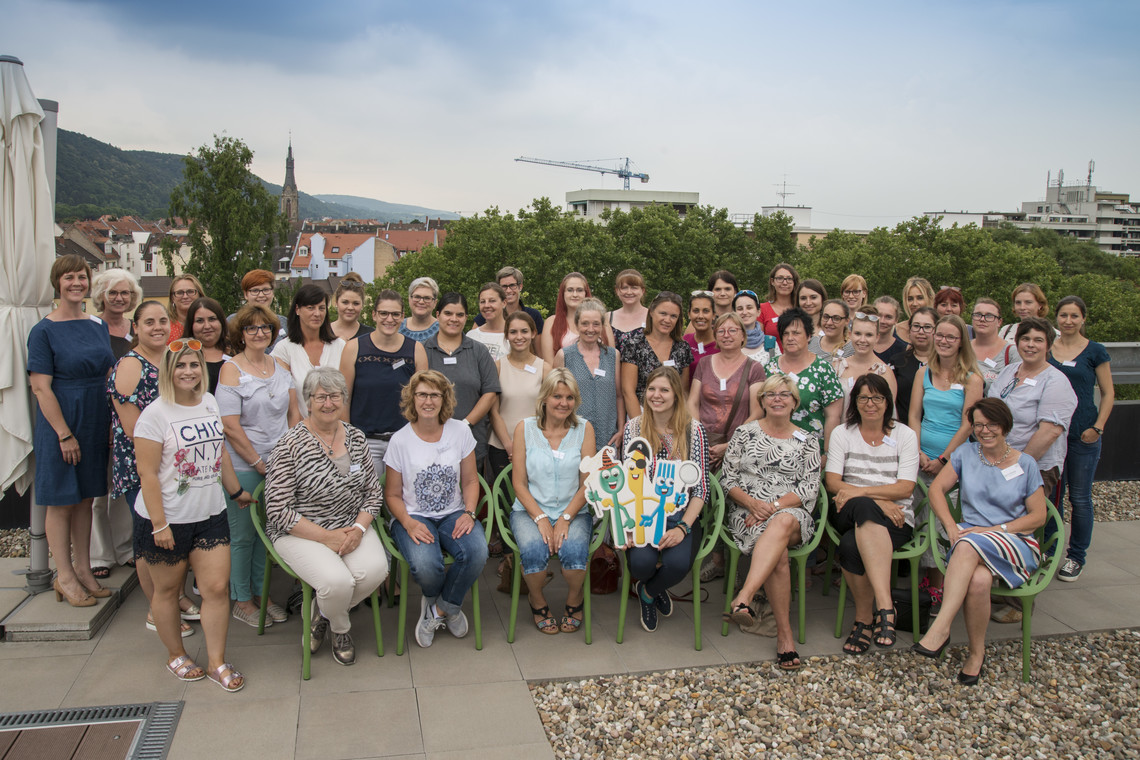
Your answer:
<point x="694" y="400"/>
<point x="421" y="359"/>
<point x="293" y="416"/>
<point x="616" y="439"/>
<point x="499" y="425"/>
<point x="578" y="501"/>
<point x="914" y="415"/>
<point x="1107" y="399"/>
<point x="629" y="372"/>
<point x="940" y="486"/>
<point x="832" y="415"/>
<point x="231" y="483"/>
<point x="228" y="399"/>
<point x="127" y="376"/>
<point x="348" y="369"/>
<point x="469" y="482"/>
<point x="394" y="498"/>
<point x="49" y="405"/>
<point x="482" y="408"/>
<point x="522" y="484"/>
<point x="148" y="458"/>
<point x="546" y="344"/>
<point x="974" y="386"/>
<point x="559" y="359"/>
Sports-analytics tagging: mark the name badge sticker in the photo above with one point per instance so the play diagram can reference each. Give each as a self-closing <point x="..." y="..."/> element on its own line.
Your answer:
<point x="530" y="368"/>
<point x="450" y="360"/>
<point x="890" y="441"/>
<point x="799" y="435"/>
<point x="354" y="468"/>
<point x="398" y="364"/>
<point x="700" y="348"/>
<point x="989" y="363"/>
<point x="794" y="376"/>
<point x="956" y="387"/>
<point x="1031" y="381"/>
<point x="1013" y="471"/>
<point x="723" y="384"/>
<point x="557" y="454"/>
<point x="1069" y="364"/>
<point x="850" y="382"/>
<point x="668" y="363"/>
<point x="599" y="372"/>
<point x="774" y="320"/>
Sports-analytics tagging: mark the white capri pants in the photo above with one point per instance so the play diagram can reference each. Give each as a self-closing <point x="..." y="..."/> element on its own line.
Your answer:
<point x="340" y="582"/>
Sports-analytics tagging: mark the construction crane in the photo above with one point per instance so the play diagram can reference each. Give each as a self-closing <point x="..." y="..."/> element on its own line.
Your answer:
<point x="622" y="171"/>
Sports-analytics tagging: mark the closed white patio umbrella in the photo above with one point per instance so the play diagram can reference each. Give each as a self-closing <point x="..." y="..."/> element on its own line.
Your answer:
<point x="27" y="250"/>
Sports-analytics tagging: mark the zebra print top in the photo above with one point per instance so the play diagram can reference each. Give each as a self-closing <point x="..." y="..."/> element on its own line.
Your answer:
<point x="302" y="481"/>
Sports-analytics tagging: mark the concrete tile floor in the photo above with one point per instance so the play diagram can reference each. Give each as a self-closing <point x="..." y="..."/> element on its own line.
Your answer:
<point x="452" y="701"/>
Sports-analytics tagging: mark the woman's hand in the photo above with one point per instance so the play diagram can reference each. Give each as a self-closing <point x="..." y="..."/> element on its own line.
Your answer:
<point x="546" y="530"/>
<point x="953" y="532"/>
<point x="260" y="467"/>
<point x="417" y="531"/>
<point x="616" y="439"/>
<point x="464" y="525"/>
<point x="164" y="538"/>
<point x="672" y="537"/>
<point x="333" y="539"/>
<point x="758" y="512"/>
<point x="844" y="494"/>
<point x="1090" y="436"/>
<point x="716" y="455"/>
<point x="892" y="511"/>
<point x="71" y="455"/>
<point x="929" y="465"/>
<point x="352" y="538"/>
<point x="560" y="531"/>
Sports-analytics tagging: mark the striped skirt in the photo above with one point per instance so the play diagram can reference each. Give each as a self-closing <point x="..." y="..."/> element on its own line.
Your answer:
<point x="1011" y="557"/>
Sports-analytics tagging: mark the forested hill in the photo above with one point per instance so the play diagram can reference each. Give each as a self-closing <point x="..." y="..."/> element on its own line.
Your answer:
<point x="95" y="178"/>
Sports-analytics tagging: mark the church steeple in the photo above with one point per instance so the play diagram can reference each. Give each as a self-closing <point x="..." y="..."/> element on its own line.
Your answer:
<point x="289" y="198"/>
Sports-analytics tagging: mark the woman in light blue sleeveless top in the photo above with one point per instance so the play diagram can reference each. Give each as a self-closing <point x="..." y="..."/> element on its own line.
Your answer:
<point x="549" y="515"/>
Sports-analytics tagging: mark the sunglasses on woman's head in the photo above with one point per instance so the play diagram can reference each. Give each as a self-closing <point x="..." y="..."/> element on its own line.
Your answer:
<point x="177" y="345"/>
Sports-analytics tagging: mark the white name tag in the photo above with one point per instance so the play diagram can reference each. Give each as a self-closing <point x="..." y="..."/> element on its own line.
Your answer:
<point x="281" y="333"/>
<point x="450" y="360"/>
<point x="850" y="382"/>
<point x="889" y="441"/>
<point x="956" y="386"/>
<point x="799" y="435"/>
<point x="774" y="320"/>
<point x="530" y="368"/>
<point x="1068" y="364"/>
<point x="243" y="379"/>
<point x="723" y="384"/>
<point x="354" y="468"/>
<point x="989" y="363"/>
<point x="1013" y="471"/>
<point x="668" y="363"/>
<point x="700" y="348"/>
<point x="557" y="454"/>
<point x="599" y="372"/>
<point x="794" y="376"/>
<point x="1031" y="381"/>
<point x="399" y="364"/>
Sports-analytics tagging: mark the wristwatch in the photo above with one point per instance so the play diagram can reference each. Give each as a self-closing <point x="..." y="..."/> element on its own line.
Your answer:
<point x="566" y="517"/>
<point x="470" y="514"/>
<point x="1004" y="529"/>
<point x="1098" y="430"/>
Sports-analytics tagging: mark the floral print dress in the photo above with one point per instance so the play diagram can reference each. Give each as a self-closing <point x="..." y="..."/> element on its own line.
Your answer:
<point x="124" y="474"/>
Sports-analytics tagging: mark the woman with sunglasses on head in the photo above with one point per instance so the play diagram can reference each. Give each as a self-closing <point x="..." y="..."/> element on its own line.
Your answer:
<point x="185" y="289"/>
<point x="916" y="293"/>
<point x="834" y="322"/>
<point x="810" y="297"/>
<point x="376" y="366"/>
<point x="782" y="283"/>
<point x="310" y="343"/>
<point x="423" y="294"/>
<point x="1086" y="364"/>
<point x="206" y="322"/>
<point x="492" y="333"/>
<point x="757" y="344"/>
<point x="596" y="367"/>
<point x="699" y="334"/>
<point x="630" y="290"/>
<point x="69" y="354"/>
<point x="992" y="351"/>
<point x="258" y="404"/>
<point x="180" y="515"/>
<point x="872" y="466"/>
<point x="854" y="291"/>
<point x="349" y="301"/>
<point x="917" y="355"/>
<point x="863" y="360"/>
<point x="887" y="344"/>
<point x="659" y="344"/>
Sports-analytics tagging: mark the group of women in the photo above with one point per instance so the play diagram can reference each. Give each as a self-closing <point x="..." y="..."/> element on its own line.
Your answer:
<point x="340" y="420"/>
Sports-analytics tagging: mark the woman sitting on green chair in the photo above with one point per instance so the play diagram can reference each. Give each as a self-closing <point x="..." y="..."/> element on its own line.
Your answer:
<point x="771" y="478"/>
<point x="549" y="514"/>
<point x="1003" y="503"/>
<point x="321" y="496"/>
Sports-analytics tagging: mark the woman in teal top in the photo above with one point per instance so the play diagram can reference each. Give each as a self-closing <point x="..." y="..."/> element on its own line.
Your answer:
<point x="549" y="514"/>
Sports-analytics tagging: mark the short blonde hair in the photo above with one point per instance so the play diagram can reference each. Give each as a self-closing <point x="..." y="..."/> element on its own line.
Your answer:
<point x="436" y="380"/>
<point x="166" y="370"/>
<point x="559" y="376"/>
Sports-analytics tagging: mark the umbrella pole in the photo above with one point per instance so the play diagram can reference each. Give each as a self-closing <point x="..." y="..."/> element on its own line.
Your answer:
<point x="39" y="574"/>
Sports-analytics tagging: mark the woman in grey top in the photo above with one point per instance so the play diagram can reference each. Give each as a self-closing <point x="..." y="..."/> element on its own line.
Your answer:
<point x="595" y="366"/>
<point x="258" y="403"/>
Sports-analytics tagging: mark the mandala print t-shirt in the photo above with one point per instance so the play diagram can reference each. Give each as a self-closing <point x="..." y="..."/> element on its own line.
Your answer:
<point x="430" y="471"/>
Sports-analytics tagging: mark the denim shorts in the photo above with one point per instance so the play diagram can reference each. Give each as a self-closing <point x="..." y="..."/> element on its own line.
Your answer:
<point x="205" y="534"/>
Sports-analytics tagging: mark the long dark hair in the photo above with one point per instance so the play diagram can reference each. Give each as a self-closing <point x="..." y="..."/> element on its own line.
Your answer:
<point x="875" y="384"/>
<point x="210" y="305"/>
<point x="309" y="295"/>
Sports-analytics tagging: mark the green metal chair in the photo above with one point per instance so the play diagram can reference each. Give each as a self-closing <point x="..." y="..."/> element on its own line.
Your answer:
<point x="712" y="516"/>
<point x="404" y="569"/>
<point x="504" y="499"/>
<point x="796" y="557"/>
<point x="257" y="514"/>
<point x="911" y="552"/>
<point x="1052" y="553"/>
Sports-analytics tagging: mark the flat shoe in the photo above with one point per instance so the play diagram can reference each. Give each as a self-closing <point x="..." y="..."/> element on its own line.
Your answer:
<point x="742" y="615"/>
<point x="547" y="624"/>
<point x="789" y="660"/>
<point x="277" y="614"/>
<point x="101" y="573"/>
<point x="251" y="619"/>
<point x="193" y="612"/>
<point x="226" y="681"/>
<point x="186" y="629"/>
<point x="859" y="640"/>
<point x="181" y="666"/>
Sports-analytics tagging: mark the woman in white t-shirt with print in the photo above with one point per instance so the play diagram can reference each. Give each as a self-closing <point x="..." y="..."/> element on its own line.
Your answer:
<point x="181" y="510"/>
<point x="432" y="490"/>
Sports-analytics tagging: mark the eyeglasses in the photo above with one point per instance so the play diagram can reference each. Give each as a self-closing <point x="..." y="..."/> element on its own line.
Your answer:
<point x="509" y="285"/>
<point x="575" y="290"/>
<point x="706" y="293"/>
<point x="832" y="318"/>
<point x="177" y="345"/>
<point x="947" y="338"/>
<point x="1008" y="389"/>
<point x="423" y="299"/>
<point x="924" y="329"/>
<point x="991" y="426"/>
<point x="261" y="291"/>
<point x="118" y="294"/>
<point x="867" y="317"/>
<point x="255" y="329"/>
<point x="982" y="317"/>
<point x="727" y="332"/>
<point x="783" y="279"/>
<point x="774" y="395"/>
<point x="422" y="396"/>
<point x="389" y="314"/>
<point x="323" y="397"/>
<point x="853" y="293"/>
<point x="185" y="293"/>
<point x="876" y="400"/>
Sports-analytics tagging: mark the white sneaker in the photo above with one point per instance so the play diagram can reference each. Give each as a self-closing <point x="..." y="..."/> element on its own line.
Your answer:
<point x="457" y="624"/>
<point x="427" y="625"/>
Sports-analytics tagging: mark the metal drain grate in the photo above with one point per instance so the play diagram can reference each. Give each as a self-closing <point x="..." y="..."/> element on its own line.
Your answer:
<point x="152" y="741"/>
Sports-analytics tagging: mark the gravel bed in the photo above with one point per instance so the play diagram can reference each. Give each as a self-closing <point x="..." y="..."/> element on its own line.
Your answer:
<point x="1083" y="701"/>
<point x="14" y="543"/>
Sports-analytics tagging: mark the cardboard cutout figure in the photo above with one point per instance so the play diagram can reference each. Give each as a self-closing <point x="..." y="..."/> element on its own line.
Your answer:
<point x="654" y="488"/>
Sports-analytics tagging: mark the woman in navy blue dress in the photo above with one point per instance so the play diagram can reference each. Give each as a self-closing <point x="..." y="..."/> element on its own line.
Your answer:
<point x="69" y="355"/>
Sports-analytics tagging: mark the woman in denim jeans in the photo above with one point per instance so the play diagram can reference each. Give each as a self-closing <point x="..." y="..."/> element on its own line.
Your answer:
<point x="1085" y="363"/>
<point x="549" y="514"/>
<point x="432" y="490"/>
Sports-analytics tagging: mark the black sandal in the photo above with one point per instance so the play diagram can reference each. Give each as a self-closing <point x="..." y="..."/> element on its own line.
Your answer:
<point x="102" y="573"/>
<point x="547" y="624"/>
<point x="789" y="660"/>
<point x="885" y="629"/>
<point x="741" y="615"/>
<point x="571" y="624"/>
<point x="859" y="640"/>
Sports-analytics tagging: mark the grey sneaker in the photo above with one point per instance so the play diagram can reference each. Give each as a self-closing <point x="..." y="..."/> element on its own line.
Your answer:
<point x="427" y="625"/>
<point x="344" y="651"/>
<point x="457" y="624"/>
<point x="318" y="630"/>
<point x="1071" y="570"/>
<point x="710" y="570"/>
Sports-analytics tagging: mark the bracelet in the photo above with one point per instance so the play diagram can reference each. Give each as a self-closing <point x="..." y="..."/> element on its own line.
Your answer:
<point x="255" y="464"/>
<point x="470" y="514"/>
<point x="363" y="530"/>
<point x="156" y="532"/>
<point x="685" y="527"/>
<point x="67" y="437"/>
<point x="539" y="518"/>
<point x="237" y="493"/>
<point x="943" y="459"/>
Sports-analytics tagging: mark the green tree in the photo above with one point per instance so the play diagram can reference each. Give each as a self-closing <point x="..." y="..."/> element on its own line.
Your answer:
<point x="234" y="223"/>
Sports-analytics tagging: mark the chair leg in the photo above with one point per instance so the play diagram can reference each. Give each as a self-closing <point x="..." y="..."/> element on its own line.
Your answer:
<point x="801" y="571"/>
<point x="696" y="607"/>
<point x="1026" y="635"/>
<point x="624" y="601"/>
<point x="402" y="616"/>
<point x="913" y="599"/>
<point x="376" y="621"/>
<point x="586" y="606"/>
<point x="306" y="625"/>
<point x="841" y="607"/>
<point x="730" y="584"/>
<point x="516" y="583"/>
<point x="830" y="566"/>
<point x="475" y="611"/>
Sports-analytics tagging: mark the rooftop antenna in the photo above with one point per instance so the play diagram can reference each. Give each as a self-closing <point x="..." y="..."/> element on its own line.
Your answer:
<point x="783" y="192"/>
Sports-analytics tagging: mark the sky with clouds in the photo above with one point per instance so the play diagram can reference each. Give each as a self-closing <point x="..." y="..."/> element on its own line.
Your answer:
<point x="874" y="111"/>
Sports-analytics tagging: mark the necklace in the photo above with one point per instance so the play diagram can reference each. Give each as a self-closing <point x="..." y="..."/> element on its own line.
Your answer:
<point x="327" y="444"/>
<point x="262" y="369"/>
<point x="996" y="462"/>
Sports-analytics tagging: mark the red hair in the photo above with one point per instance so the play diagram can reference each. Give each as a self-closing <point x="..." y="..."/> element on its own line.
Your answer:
<point x="561" y="315"/>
